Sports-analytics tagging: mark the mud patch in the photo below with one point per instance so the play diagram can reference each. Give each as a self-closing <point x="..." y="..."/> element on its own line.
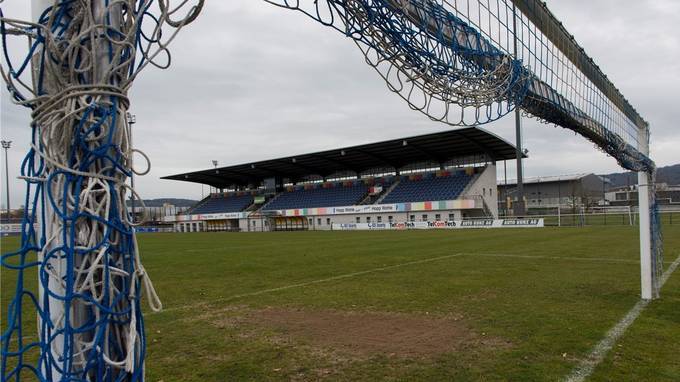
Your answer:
<point x="365" y="334"/>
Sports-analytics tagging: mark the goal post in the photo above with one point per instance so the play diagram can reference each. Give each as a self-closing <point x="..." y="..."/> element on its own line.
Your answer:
<point x="85" y="235"/>
<point x="647" y="290"/>
<point x="83" y="57"/>
<point x="48" y="234"/>
<point x="646" y="275"/>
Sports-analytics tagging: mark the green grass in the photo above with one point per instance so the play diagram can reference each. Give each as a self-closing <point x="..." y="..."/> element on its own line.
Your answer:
<point x="549" y="312"/>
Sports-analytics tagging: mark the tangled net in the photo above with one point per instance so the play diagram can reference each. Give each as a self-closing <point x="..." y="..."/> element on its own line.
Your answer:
<point x="83" y="57"/>
<point x="435" y="61"/>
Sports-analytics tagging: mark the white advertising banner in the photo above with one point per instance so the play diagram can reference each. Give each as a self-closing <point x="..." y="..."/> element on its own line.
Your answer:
<point x="6" y="229"/>
<point x="376" y="208"/>
<point x="458" y="224"/>
<point x="459" y="204"/>
<point x="218" y="216"/>
<point x="10" y="229"/>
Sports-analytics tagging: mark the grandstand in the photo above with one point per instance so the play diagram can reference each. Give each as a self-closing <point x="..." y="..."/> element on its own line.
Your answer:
<point x="441" y="186"/>
<point x="436" y="177"/>
<point x="324" y="195"/>
<point x="222" y="203"/>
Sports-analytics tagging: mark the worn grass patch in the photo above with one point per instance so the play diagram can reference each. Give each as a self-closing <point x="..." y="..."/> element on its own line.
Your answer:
<point x="369" y="334"/>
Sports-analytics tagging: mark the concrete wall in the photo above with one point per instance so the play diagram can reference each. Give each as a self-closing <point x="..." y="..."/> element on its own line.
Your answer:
<point x="485" y="186"/>
<point x="592" y="187"/>
<point x="553" y="193"/>
<point x="565" y="193"/>
<point x="327" y="220"/>
<point x="243" y="225"/>
<point x="256" y="224"/>
<point x="324" y="222"/>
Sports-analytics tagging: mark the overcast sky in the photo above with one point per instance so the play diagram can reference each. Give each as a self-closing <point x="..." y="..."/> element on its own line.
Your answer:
<point x="250" y="81"/>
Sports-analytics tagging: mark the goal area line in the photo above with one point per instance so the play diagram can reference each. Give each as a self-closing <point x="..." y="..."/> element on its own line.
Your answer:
<point x="587" y="366"/>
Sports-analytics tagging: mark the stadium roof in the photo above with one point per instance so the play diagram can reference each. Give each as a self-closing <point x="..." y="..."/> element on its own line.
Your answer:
<point x="396" y="153"/>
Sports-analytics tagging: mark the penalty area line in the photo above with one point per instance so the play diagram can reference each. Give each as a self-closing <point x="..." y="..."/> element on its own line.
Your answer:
<point x="387" y="268"/>
<point x="320" y="281"/>
<point x="586" y="367"/>
<point x="569" y="258"/>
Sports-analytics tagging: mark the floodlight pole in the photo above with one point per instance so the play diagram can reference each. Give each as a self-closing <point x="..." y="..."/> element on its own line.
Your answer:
<point x="519" y="207"/>
<point x="215" y="163"/>
<point x="646" y="277"/>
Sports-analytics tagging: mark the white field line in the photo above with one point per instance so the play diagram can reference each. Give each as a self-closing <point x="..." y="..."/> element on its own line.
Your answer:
<point x="325" y="280"/>
<point x="596" y="259"/>
<point x="586" y="367"/>
<point x="387" y="268"/>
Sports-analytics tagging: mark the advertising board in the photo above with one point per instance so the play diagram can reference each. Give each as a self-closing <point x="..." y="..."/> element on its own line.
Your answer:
<point x="451" y="224"/>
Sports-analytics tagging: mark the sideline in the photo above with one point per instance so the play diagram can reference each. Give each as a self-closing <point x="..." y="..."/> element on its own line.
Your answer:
<point x="586" y="367"/>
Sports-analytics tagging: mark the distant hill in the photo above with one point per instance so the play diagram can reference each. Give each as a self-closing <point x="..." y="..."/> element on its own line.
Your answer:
<point x="668" y="174"/>
<point x="173" y="201"/>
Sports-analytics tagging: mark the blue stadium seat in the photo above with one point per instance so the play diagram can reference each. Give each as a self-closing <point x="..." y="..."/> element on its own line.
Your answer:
<point x="320" y="197"/>
<point x="220" y="204"/>
<point x="430" y="188"/>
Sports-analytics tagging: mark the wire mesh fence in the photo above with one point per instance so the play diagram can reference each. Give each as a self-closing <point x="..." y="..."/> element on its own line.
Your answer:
<point x="613" y="218"/>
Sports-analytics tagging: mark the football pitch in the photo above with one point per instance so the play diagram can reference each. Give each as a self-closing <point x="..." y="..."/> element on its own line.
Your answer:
<point x="463" y="305"/>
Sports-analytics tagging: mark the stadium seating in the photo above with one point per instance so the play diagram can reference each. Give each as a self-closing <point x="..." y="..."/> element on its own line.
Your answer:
<point x="444" y="185"/>
<point x="219" y="204"/>
<point x="429" y="187"/>
<point x="336" y="195"/>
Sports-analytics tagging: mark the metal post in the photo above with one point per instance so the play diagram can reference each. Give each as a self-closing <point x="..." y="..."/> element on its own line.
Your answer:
<point x="6" y="145"/>
<point x="519" y="207"/>
<point x="559" y="194"/>
<point x="131" y="120"/>
<point x="505" y="186"/>
<point x="604" y="201"/>
<point x="646" y="278"/>
<point x="77" y="312"/>
<point x="56" y="308"/>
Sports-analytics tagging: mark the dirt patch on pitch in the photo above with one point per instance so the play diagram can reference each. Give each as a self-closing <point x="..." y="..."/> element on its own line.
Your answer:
<point x="362" y="334"/>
